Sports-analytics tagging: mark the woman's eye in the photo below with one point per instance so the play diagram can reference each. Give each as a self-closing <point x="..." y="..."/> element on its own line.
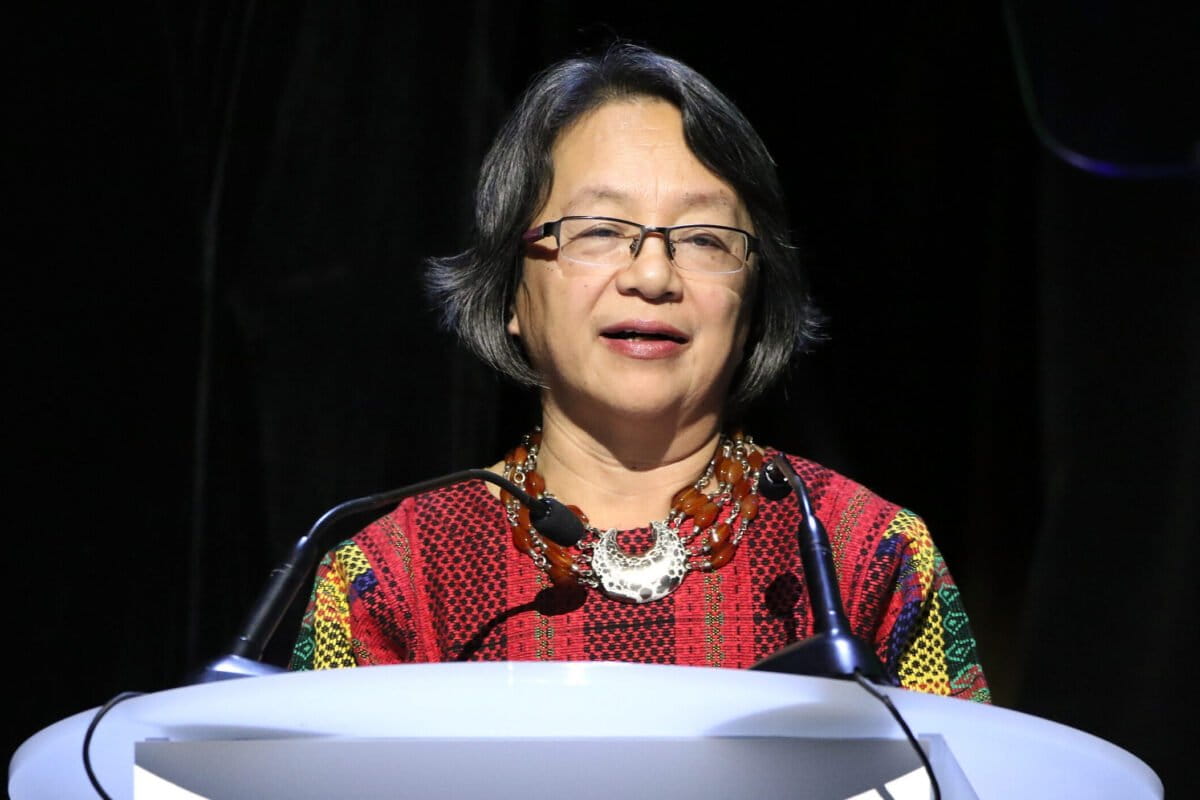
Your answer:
<point x="600" y="233"/>
<point x="703" y="240"/>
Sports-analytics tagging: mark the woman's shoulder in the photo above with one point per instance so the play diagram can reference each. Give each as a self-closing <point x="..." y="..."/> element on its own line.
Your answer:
<point x="826" y="485"/>
<point x="846" y="506"/>
<point x="428" y="513"/>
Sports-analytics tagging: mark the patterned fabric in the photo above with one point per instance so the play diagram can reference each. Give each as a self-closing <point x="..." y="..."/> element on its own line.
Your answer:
<point x="438" y="579"/>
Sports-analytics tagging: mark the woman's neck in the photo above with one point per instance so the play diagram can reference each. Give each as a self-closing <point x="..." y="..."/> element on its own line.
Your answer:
<point x="622" y="476"/>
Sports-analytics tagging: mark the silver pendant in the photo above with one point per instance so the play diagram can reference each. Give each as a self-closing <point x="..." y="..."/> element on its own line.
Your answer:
<point x="645" y="578"/>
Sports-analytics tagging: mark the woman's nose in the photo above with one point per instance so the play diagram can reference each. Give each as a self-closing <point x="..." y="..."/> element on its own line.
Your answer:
<point x="651" y="273"/>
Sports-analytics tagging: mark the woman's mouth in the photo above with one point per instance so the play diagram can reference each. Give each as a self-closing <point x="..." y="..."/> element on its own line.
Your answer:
<point x="644" y="339"/>
<point x="645" y="335"/>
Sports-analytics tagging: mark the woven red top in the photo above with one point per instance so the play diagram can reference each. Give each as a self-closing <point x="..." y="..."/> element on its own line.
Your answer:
<point x="438" y="579"/>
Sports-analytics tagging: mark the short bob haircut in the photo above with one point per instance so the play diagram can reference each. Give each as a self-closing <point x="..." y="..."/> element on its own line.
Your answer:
<point x="476" y="289"/>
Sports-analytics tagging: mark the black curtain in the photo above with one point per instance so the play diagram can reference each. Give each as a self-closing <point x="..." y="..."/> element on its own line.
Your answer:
<point x="224" y="209"/>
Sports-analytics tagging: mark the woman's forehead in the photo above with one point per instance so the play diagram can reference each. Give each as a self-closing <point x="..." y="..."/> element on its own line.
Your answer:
<point x="720" y="200"/>
<point x="631" y="155"/>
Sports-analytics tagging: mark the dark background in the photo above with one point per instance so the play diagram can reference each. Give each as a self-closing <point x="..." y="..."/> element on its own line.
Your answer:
<point x="220" y="212"/>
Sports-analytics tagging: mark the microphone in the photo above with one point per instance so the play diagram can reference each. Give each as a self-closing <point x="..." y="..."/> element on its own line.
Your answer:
<point x="549" y="517"/>
<point x="832" y="651"/>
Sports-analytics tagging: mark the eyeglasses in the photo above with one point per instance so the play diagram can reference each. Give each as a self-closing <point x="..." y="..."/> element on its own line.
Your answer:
<point x="615" y="243"/>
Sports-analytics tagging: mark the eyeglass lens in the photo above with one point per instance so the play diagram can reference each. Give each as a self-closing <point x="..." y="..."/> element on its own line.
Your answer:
<point x="613" y="243"/>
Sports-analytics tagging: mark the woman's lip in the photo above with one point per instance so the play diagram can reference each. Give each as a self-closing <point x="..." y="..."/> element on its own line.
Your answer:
<point x="644" y="328"/>
<point x="643" y="348"/>
<point x="643" y="338"/>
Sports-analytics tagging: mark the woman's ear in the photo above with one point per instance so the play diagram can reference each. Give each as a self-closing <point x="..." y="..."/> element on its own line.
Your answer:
<point x="514" y="325"/>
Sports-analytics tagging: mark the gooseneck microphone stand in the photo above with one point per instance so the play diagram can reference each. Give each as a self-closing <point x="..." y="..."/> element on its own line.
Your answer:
<point x="549" y="517"/>
<point x="832" y="651"/>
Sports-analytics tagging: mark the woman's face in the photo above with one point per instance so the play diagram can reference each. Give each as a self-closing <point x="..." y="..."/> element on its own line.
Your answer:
<point x="648" y="338"/>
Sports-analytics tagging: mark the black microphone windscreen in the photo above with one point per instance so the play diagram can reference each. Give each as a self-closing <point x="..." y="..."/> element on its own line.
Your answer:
<point x="557" y="523"/>
<point x="772" y="484"/>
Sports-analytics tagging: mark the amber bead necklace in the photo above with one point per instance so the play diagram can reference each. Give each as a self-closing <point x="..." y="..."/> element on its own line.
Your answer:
<point x="599" y="562"/>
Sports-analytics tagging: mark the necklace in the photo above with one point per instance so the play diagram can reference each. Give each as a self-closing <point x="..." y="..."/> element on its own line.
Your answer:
<point x="598" y="560"/>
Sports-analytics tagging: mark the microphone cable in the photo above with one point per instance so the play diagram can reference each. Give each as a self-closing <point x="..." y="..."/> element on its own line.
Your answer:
<point x="935" y="790"/>
<point x="87" y="739"/>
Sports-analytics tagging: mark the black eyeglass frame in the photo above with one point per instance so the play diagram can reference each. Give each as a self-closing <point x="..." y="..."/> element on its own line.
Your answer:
<point x="548" y="229"/>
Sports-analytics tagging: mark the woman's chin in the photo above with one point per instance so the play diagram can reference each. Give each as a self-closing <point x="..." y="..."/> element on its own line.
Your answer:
<point x="640" y="405"/>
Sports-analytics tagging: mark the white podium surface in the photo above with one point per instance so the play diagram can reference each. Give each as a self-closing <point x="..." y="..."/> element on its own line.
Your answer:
<point x="555" y="716"/>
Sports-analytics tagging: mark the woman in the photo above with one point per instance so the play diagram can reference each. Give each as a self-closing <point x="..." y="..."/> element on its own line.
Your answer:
<point x="630" y="260"/>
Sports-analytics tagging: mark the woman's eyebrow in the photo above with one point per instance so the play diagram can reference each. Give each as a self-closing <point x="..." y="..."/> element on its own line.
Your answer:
<point x="714" y="199"/>
<point x="597" y="193"/>
<point x="687" y="202"/>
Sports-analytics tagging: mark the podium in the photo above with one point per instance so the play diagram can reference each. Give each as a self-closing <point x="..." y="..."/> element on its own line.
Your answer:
<point x="580" y="730"/>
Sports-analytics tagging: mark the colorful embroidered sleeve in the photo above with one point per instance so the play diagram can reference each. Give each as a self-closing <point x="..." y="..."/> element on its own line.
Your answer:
<point x="359" y="612"/>
<point x="325" y="640"/>
<point x="930" y="647"/>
